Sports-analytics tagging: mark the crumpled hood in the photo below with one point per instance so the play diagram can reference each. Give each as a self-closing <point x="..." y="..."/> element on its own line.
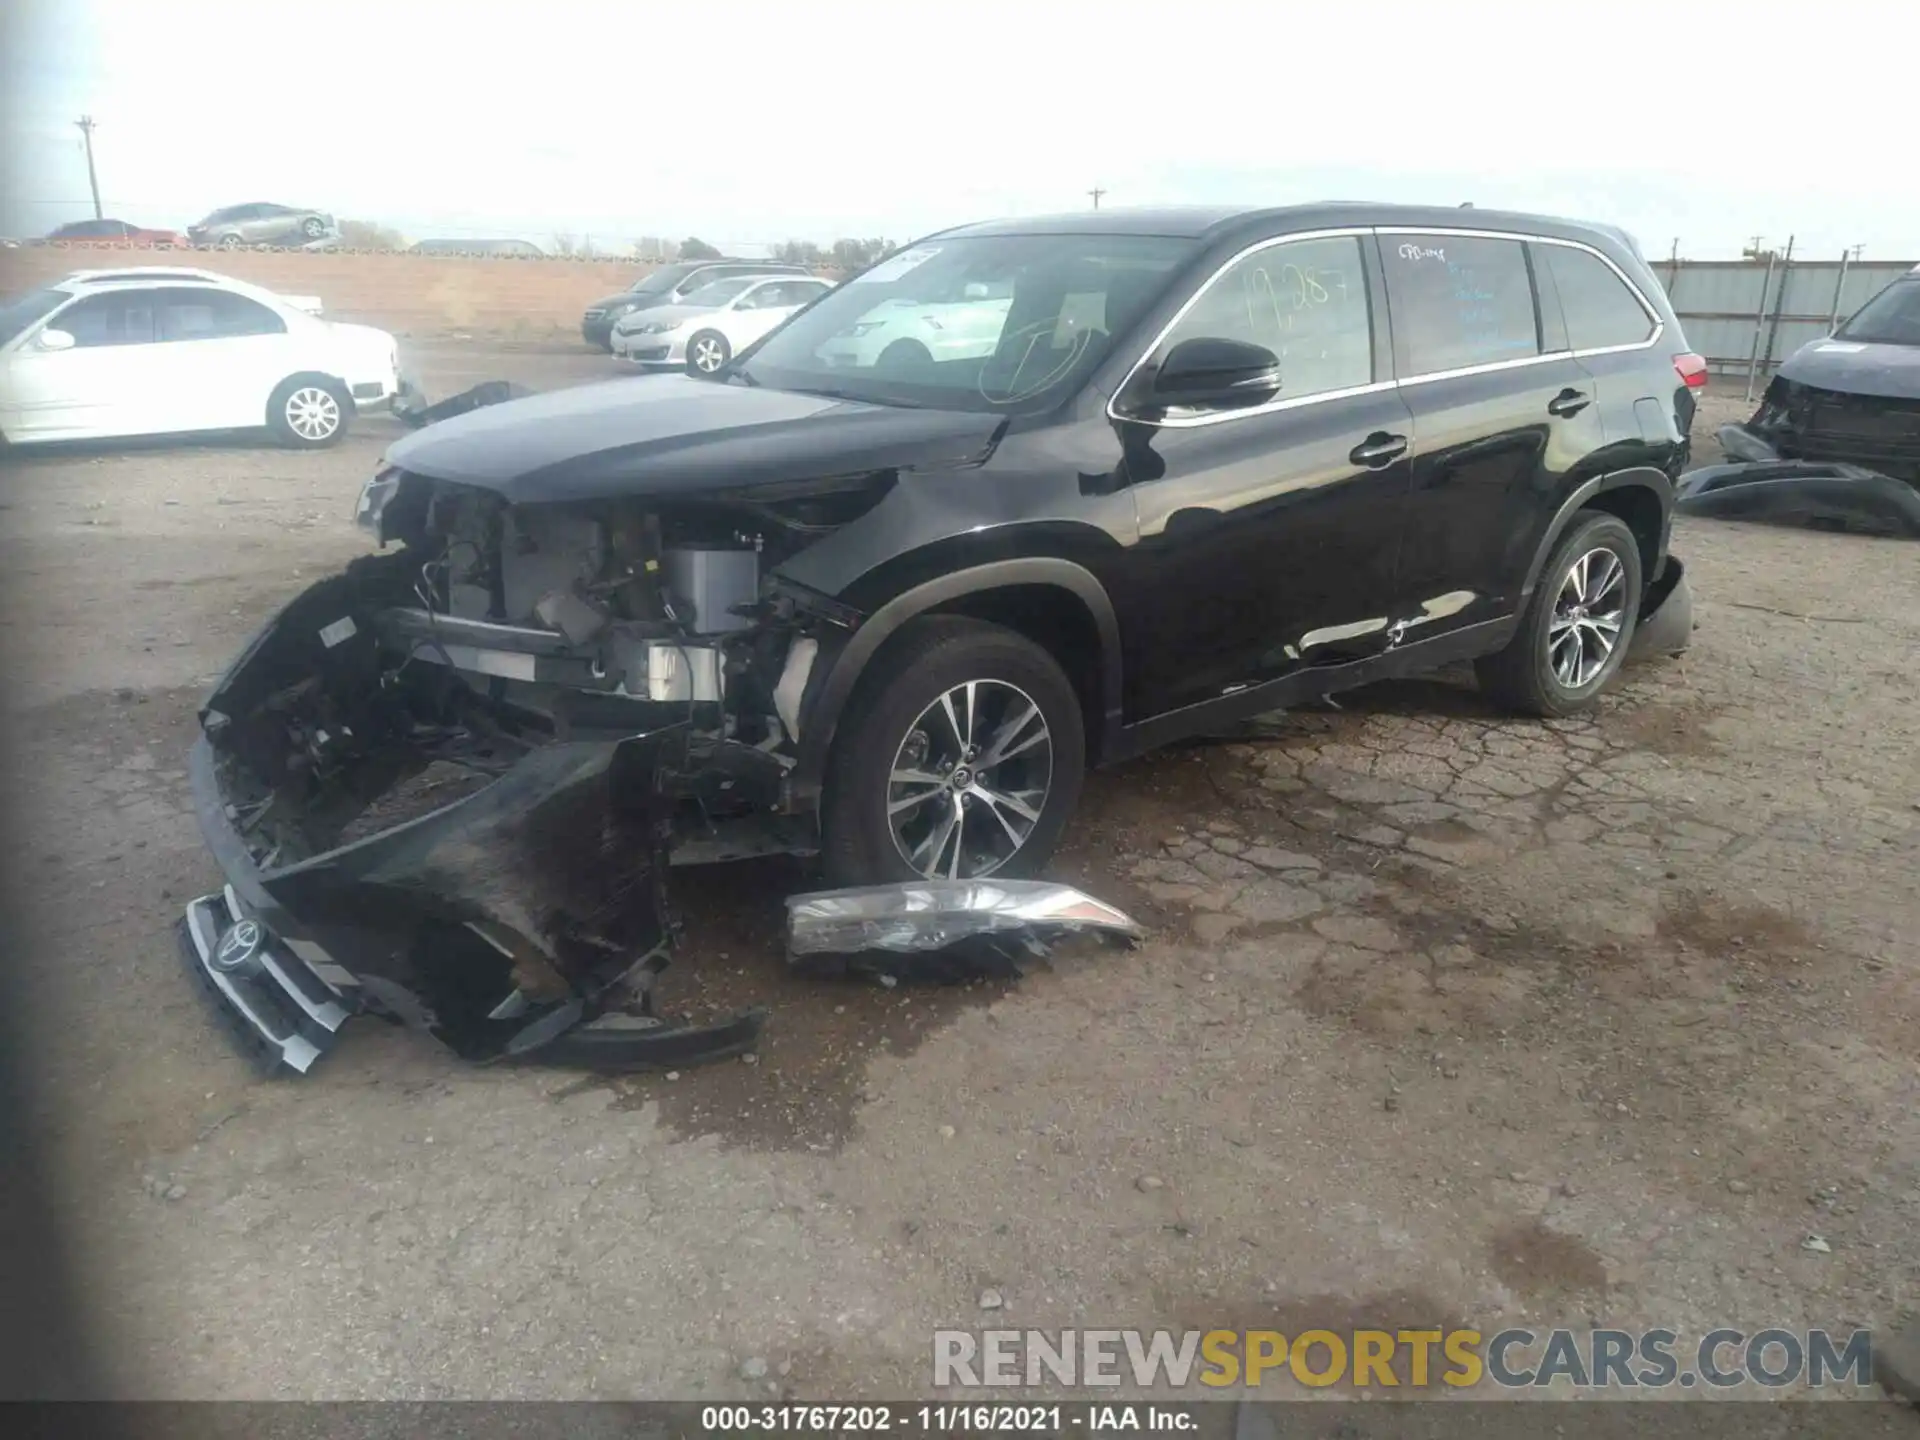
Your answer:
<point x="1856" y="368"/>
<point x="672" y="434"/>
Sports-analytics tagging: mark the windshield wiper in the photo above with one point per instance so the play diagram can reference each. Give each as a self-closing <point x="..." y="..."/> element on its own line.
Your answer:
<point x="833" y="393"/>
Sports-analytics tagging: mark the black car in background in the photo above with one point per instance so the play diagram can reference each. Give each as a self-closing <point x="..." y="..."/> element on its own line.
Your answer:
<point x="668" y="285"/>
<point x="1151" y="472"/>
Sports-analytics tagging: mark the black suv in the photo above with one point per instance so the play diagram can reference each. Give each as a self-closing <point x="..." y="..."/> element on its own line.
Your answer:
<point x="1023" y="497"/>
<point x="668" y="285"/>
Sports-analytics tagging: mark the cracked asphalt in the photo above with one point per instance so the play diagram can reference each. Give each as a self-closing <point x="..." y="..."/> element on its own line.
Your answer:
<point x="1444" y="1016"/>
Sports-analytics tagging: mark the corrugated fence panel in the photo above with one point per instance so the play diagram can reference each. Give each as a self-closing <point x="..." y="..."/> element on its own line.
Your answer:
<point x="1721" y="303"/>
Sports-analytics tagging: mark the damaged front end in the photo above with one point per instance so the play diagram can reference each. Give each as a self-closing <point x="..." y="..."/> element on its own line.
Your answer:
<point x="445" y="785"/>
<point x="1800" y="421"/>
<point x="1835" y="442"/>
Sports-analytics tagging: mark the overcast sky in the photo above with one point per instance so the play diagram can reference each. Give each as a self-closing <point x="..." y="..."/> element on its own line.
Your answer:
<point x="751" y="122"/>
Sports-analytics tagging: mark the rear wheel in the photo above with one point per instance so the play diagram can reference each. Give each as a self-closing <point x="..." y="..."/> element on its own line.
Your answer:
<point x="308" y="412"/>
<point x="312" y="228"/>
<point x="707" y="352"/>
<point x="962" y="759"/>
<point x="1578" y="625"/>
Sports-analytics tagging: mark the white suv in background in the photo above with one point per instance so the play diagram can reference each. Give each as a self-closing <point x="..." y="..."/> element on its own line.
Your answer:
<point x="905" y="330"/>
<point x="154" y="351"/>
<point x="713" y="324"/>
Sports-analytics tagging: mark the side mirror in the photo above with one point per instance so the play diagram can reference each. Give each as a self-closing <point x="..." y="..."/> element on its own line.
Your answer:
<point x="51" y="339"/>
<point x="1221" y="374"/>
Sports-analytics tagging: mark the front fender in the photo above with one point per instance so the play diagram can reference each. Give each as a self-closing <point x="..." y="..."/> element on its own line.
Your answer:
<point x="831" y="692"/>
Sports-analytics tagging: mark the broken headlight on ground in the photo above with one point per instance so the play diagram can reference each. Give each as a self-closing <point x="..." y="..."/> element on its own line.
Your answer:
<point x="446" y="784"/>
<point x="978" y="925"/>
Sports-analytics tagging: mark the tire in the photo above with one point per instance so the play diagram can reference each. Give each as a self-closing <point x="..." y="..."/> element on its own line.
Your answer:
<point x="298" y="411"/>
<point x="707" y="352"/>
<point x="231" y="241"/>
<point x="312" y="228"/>
<point x="1538" y="673"/>
<point x="897" y="715"/>
<point x="904" y="355"/>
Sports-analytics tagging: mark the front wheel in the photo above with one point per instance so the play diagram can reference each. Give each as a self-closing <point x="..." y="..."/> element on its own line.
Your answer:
<point x="312" y="228"/>
<point x="707" y="352"/>
<point x="962" y="758"/>
<point x="231" y="241"/>
<point x="1577" y="627"/>
<point x="308" y="413"/>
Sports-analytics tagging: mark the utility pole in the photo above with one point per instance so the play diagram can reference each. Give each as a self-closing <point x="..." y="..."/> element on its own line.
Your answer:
<point x="1096" y="193"/>
<point x="85" y="122"/>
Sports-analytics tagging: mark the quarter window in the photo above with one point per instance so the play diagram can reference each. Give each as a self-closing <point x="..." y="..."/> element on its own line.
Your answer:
<point x="1458" y="301"/>
<point x="1305" y="300"/>
<point x="1600" y="309"/>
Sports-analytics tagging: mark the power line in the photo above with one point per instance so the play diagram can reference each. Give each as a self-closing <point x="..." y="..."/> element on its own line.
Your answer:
<point x="85" y="122"/>
<point x="1096" y="193"/>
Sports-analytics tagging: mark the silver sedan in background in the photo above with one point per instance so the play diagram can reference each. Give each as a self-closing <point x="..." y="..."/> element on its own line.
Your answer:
<point x="714" y="323"/>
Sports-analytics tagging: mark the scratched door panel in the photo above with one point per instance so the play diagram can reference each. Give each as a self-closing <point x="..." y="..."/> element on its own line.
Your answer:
<point x="1484" y="380"/>
<point x="1264" y="545"/>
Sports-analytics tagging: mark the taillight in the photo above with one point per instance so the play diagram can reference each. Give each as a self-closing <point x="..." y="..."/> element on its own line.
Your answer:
<point x="1692" y="370"/>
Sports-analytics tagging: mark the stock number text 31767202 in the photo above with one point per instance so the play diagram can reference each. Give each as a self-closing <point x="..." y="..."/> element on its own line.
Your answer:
<point x="909" y="1419"/>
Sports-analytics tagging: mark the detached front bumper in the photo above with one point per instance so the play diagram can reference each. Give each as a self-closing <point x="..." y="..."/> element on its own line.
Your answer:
<point x="515" y="922"/>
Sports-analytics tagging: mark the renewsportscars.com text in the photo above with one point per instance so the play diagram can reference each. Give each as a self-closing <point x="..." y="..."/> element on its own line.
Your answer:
<point x="1413" y="1359"/>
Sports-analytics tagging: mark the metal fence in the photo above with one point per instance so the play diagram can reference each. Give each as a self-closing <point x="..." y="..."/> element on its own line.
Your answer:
<point x="1747" y="316"/>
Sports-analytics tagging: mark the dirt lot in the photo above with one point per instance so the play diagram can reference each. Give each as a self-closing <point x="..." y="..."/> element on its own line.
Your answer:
<point x="1444" y="1015"/>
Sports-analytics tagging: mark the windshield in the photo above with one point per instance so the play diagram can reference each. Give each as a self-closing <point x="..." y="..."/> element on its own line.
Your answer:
<point x="661" y="280"/>
<point x="22" y="311"/>
<point x="987" y="322"/>
<point x="718" y="293"/>
<point x="1890" y="318"/>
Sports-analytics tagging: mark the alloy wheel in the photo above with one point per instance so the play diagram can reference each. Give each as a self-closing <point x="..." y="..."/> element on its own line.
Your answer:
<point x="970" y="780"/>
<point x="707" y="355"/>
<point x="1587" y="616"/>
<point x="313" y="413"/>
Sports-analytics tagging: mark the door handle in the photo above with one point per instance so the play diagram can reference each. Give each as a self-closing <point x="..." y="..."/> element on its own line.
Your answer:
<point x="1378" y="450"/>
<point x="1568" y="402"/>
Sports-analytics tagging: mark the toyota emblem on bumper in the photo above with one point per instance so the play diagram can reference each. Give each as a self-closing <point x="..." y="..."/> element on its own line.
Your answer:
<point x="238" y="946"/>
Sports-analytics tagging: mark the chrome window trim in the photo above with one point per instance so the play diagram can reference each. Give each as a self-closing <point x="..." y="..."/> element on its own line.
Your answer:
<point x="1185" y="422"/>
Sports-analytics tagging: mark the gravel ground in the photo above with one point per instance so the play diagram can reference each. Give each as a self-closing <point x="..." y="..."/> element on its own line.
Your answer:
<point x="1443" y="1015"/>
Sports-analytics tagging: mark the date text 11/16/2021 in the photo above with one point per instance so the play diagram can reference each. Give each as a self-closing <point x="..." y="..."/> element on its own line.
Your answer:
<point x="945" y="1419"/>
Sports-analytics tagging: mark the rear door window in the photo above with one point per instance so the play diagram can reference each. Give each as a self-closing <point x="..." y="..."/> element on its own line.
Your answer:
<point x="215" y="315"/>
<point x="1600" y="310"/>
<point x="1458" y="301"/>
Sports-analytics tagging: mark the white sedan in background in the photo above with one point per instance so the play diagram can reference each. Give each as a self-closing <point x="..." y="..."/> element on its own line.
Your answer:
<point x="155" y="350"/>
<point x="909" y="331"/>
<point x="714" y="323"/>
